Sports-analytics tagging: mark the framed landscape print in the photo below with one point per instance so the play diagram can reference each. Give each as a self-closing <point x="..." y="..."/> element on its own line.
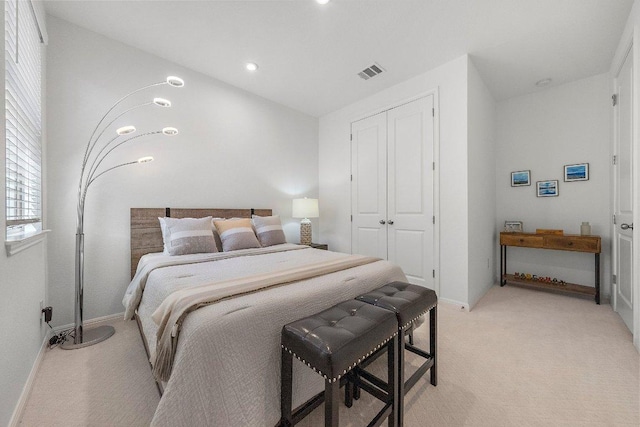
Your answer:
<point x="577" y="172"/>
<point x="520" y="178"/>
<point x="547" y="188"/>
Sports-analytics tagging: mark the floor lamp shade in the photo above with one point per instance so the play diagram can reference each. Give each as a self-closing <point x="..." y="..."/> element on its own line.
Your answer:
<point x="305" y="209"/>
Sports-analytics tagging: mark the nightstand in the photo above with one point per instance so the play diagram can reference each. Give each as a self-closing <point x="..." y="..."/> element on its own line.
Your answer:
<point x="323" y="246"/>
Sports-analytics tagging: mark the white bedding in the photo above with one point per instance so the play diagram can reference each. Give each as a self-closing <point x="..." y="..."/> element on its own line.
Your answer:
<point x="227" y="365"/>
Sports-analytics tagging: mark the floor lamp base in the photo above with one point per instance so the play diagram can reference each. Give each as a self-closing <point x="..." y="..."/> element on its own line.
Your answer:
<point x="90" y="337"/>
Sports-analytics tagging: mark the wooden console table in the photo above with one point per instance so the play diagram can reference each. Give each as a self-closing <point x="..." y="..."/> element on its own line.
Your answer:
<point x="570" y="242"/>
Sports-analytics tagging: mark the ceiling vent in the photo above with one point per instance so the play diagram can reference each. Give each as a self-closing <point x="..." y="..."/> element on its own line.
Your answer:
<point x="371" y="71"/>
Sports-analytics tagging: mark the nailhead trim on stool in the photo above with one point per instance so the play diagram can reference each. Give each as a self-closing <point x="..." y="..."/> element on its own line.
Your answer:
<point x="332" y="343"/>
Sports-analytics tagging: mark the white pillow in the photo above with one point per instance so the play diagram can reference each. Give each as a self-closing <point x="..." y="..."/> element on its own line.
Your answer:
<point x="165" y="235"/>
<point x="189" y="236"/>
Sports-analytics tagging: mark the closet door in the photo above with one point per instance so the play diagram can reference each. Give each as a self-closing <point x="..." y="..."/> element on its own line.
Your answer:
<point x="410" y="190"/>
<point x="369" y="186"/>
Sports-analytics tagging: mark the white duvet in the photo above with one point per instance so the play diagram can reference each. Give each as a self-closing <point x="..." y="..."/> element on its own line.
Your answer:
<point x="227" y="365"/>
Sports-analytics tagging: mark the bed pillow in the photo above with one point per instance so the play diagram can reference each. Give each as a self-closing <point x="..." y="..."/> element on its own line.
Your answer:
<point x="189" y="236"/>
<point x="236" y="234"/>
<point x="269" y="230"/>
<point x="165" y="235"/>
<point x="216" y="235"/>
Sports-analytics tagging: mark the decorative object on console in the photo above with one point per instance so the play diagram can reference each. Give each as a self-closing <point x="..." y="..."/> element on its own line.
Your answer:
<point x="305" y="208"/>
<point x="547" y="188"/>
<point x="520" y="178"/>
<point x="91" y="171"/>
<point x="585" y="229"/>
<point x="577" y="172"/>
<point x="513" y="226"/>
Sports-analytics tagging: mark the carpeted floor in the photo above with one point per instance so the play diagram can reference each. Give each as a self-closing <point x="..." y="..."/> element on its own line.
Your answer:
<point x="520" y="358"/>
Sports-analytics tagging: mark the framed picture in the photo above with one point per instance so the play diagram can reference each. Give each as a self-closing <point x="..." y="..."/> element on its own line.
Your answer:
<point x="547" y="188"/>
<point x="578" y="172"/>
<point x="513" y="226"/>
<point x="520" y="178"/>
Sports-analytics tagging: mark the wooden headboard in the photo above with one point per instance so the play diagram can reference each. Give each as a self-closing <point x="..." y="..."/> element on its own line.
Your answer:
<point x="146" y="236"/>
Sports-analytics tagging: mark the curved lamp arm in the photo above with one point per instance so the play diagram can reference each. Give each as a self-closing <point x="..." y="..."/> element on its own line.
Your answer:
<point x="91" y="176"/>
<point x="98" y="160"/>
<point x="146" y="159"/>
<point x="171" y="81"/>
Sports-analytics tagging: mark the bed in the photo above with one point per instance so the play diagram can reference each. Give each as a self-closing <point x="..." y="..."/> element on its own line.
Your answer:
<point x="226" y="366"/>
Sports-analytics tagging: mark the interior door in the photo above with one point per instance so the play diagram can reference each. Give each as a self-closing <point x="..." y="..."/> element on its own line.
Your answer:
<point x="410" y="190"/>
<point x="623" y="199"/>
<point x="369" y="186"/>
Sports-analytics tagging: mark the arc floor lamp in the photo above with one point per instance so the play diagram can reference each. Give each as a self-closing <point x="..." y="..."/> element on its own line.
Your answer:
<point x="91" y="171"/>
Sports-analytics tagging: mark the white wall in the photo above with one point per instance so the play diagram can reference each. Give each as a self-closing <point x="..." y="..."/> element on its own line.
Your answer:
<point x="542" y="132"/>
<point x="481" y="181"/>
<point x="22" y="286"/>
<point x="631" y="35"/>
<point x="450" y="80"/>
<point x="234" y="150"/>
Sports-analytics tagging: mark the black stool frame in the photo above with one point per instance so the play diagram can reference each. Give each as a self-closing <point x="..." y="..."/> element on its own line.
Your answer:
<point x="386" y="392"/>
<point x="352" y="391"/>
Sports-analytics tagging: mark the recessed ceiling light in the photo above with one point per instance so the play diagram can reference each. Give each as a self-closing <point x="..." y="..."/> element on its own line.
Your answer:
<point x="322" y="1"/>
<point x="543" y="82"/>
<point x="251" y="66"/>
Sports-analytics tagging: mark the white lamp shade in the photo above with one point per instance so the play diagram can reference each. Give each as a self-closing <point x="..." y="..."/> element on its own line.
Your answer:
<point x="305" y="208"/>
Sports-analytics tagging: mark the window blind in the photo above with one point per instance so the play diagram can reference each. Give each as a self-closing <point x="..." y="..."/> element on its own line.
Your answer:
<point x="23" y="114"/>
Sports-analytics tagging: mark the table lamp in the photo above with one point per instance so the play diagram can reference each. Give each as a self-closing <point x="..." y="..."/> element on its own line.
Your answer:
<point x="305" y="209"/>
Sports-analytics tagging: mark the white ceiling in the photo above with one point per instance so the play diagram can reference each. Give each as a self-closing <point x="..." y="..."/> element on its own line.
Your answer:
<point x="309" y="55"/>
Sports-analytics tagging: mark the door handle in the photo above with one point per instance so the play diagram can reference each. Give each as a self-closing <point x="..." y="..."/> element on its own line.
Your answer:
<point x="626" y="226"/>
<point x="390" y="222"/>
<point x="383" y="222"/>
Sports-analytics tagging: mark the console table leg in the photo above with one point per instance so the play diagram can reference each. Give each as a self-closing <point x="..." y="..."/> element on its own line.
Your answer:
<point x="597" y="269"/>
<point x="503" y="264"/>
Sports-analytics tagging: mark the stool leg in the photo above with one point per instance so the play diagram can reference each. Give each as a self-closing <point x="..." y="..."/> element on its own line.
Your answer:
<point x="433" y="343"/>
<point x="409" y="333"/>
<point x="400" y="369"/>
<point x="392" y="379"/>
<point x="356" y="389"/>
<point x="331" y="405"/>
<point x="348" y="392"/>
<point x="286" y="385"/>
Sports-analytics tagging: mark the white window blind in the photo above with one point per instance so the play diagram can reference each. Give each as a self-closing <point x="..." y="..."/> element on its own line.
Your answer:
<point x="23" y="114"/>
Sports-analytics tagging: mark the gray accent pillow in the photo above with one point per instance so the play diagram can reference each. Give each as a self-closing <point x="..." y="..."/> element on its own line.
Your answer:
<point x="236" y="234"/>
<point x="190" y="236"/>
<point x="269" y="230"/>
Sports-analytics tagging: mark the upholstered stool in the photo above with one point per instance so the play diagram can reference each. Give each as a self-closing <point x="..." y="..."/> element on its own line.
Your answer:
<point x="408" y="302"/>
<point x="332" y="343"/>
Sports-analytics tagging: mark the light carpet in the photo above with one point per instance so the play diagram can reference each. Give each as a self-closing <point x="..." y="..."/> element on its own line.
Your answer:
<point x="520" y="358"/>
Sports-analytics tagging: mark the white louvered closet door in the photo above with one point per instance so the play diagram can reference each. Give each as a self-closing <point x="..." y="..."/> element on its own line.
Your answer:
<point x="392" y="188"/>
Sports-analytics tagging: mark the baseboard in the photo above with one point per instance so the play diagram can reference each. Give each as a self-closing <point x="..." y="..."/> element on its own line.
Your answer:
<point x="462" y="306"/>
<point x="117" y="316"/>
<point x="26" y="390"/>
